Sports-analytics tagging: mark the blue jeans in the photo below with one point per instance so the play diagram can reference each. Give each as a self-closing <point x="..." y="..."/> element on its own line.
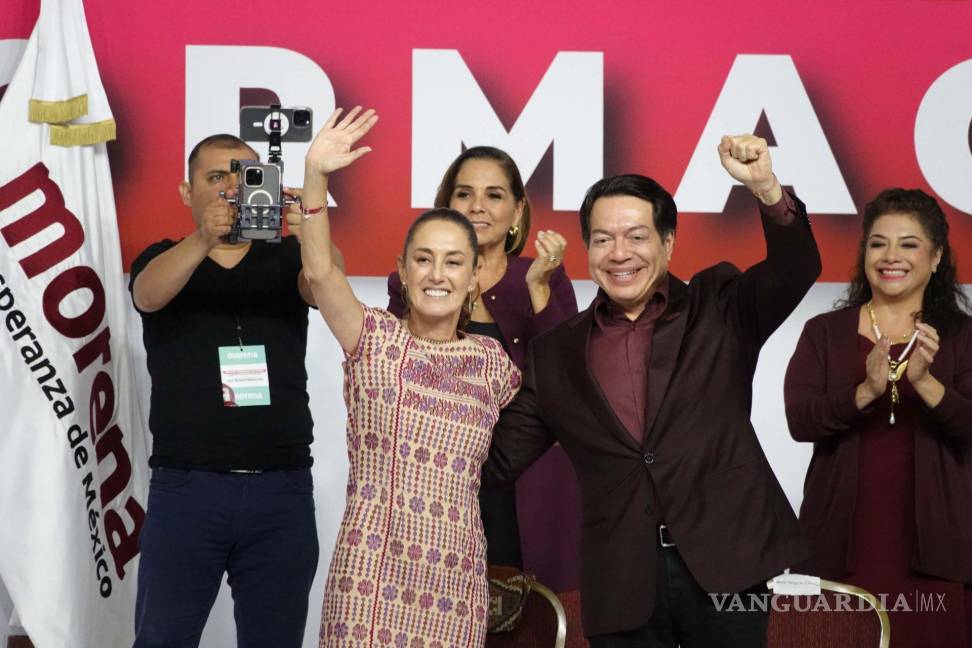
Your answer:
<point x="257" y="528"/>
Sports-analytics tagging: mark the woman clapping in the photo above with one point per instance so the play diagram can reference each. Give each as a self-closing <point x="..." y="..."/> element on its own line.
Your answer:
<point x="883" y="388"/>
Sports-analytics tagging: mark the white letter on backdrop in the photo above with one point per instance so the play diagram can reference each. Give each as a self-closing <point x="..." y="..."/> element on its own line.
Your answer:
<point x="801" y="158"/>
<point x="566" y="110"/>
<point x="942" y="136"/>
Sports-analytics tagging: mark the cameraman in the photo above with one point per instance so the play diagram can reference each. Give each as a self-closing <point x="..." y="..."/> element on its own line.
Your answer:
<point x="231" y="487"/>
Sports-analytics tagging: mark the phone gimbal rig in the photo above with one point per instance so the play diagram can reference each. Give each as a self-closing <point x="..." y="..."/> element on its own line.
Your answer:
<point x="259" y="198"/>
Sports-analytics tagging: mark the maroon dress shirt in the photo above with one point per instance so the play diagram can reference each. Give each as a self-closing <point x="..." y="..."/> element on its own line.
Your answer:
<point x="618" y="351"/>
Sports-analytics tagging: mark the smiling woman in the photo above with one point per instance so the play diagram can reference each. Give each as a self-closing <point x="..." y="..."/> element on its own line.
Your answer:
<point x="439" y="269"/>
<point x="535" y="525"/>
<point x="883" y="388"/>
<point x="422" y="399"/>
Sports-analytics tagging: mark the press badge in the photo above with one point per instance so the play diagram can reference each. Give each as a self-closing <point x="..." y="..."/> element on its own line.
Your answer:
<point x="245" y="378"/>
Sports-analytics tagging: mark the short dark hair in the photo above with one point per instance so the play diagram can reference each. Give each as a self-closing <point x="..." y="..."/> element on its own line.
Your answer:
<point x="630" y="184"/>
<point x="944" y="302"/>
<point x="220" y="140"/>
<point x="514" y="242"/>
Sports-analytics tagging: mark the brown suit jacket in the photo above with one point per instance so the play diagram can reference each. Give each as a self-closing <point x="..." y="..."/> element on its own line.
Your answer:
<point x="701" y="468"/>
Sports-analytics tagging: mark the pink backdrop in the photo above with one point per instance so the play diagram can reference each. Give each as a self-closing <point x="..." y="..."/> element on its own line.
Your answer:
<point x="865" y="65"/>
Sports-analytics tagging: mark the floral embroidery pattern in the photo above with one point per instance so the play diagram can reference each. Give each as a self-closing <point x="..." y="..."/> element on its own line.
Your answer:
<point x="409" y="567"/>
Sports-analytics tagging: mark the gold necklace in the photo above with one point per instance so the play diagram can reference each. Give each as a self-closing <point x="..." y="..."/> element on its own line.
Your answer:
<point x="896" y="368"/>
<point x="870" y="313"/>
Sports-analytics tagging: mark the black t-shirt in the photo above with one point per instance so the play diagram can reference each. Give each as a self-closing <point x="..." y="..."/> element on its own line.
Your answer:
<point x="190" y="426"/>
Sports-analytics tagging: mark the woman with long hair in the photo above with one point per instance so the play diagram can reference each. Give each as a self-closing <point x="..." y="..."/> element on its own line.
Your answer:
<point x="535" y="526"/>
<point x="882" y="387"/>
<point x="409" y="565"/>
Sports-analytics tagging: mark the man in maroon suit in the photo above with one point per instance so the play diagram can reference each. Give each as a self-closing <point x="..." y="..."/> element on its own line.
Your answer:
<point x="649" y="391"/>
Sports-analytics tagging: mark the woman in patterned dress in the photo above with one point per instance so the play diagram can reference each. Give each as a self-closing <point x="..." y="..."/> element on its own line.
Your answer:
<point x="409" y="566"/>
<point x="536" y="524"/>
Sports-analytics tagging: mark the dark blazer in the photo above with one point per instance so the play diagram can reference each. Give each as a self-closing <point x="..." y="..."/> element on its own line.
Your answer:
<point x="700" y="468"/>
<point x="509" y="304"/>
<point x="819" y="390"/>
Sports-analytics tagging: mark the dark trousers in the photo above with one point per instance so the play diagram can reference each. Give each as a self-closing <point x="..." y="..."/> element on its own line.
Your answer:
<point x="686" y="616"/>
<point x="497" y="508"/>
<point x="257" y="528"/>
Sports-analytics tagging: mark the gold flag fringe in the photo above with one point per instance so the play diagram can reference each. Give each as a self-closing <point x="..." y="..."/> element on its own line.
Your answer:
<point x="55" y="112"/>
<point x="82" y="134"/>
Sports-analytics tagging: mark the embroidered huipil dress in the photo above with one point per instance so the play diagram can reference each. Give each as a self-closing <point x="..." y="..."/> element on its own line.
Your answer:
<point x="409" y="566"/>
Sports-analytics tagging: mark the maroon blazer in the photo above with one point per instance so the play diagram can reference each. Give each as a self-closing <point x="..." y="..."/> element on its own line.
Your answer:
<point x="700" y="468"/>
<point x="509" y="304"/>
<point x="821" y="380"/>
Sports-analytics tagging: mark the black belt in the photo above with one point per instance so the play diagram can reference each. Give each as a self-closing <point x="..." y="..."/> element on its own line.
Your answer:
<point x="665" y="537"/>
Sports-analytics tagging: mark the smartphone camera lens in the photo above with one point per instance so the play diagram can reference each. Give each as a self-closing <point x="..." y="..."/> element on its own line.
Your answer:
<point x="253" y="177"/>
<point x="302" y="118"/>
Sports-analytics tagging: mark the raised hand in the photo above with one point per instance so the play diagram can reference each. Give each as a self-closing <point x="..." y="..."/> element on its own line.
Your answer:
<point x="550" y="248"/>
<point x="747" y="159"/>
<point x="332" y="147"/>
<point x="876" y="381"/>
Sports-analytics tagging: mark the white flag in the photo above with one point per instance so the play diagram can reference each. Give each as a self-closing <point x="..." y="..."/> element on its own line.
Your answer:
<point x="73" y="469"/>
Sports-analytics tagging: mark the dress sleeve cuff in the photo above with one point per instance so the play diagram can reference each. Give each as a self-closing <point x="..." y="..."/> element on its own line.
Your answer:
<point x="944" y="412"/>
<point x="846" y="406"/>
<point x="783" y="211"/>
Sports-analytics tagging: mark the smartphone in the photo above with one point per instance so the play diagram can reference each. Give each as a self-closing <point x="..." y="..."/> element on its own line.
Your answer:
<point x="295" y="124"/>
<point x="261" y="197"/>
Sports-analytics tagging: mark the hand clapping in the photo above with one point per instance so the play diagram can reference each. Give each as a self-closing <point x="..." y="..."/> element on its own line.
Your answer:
<point x="876" y="365"/>
<point x="923" y="354"/>
<point x="550" y="248"/>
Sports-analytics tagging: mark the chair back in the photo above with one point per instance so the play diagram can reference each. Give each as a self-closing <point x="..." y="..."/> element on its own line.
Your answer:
<point x="543" y="622"/>
<point x="571" y="600"/>
<point x="838" y="615"/>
